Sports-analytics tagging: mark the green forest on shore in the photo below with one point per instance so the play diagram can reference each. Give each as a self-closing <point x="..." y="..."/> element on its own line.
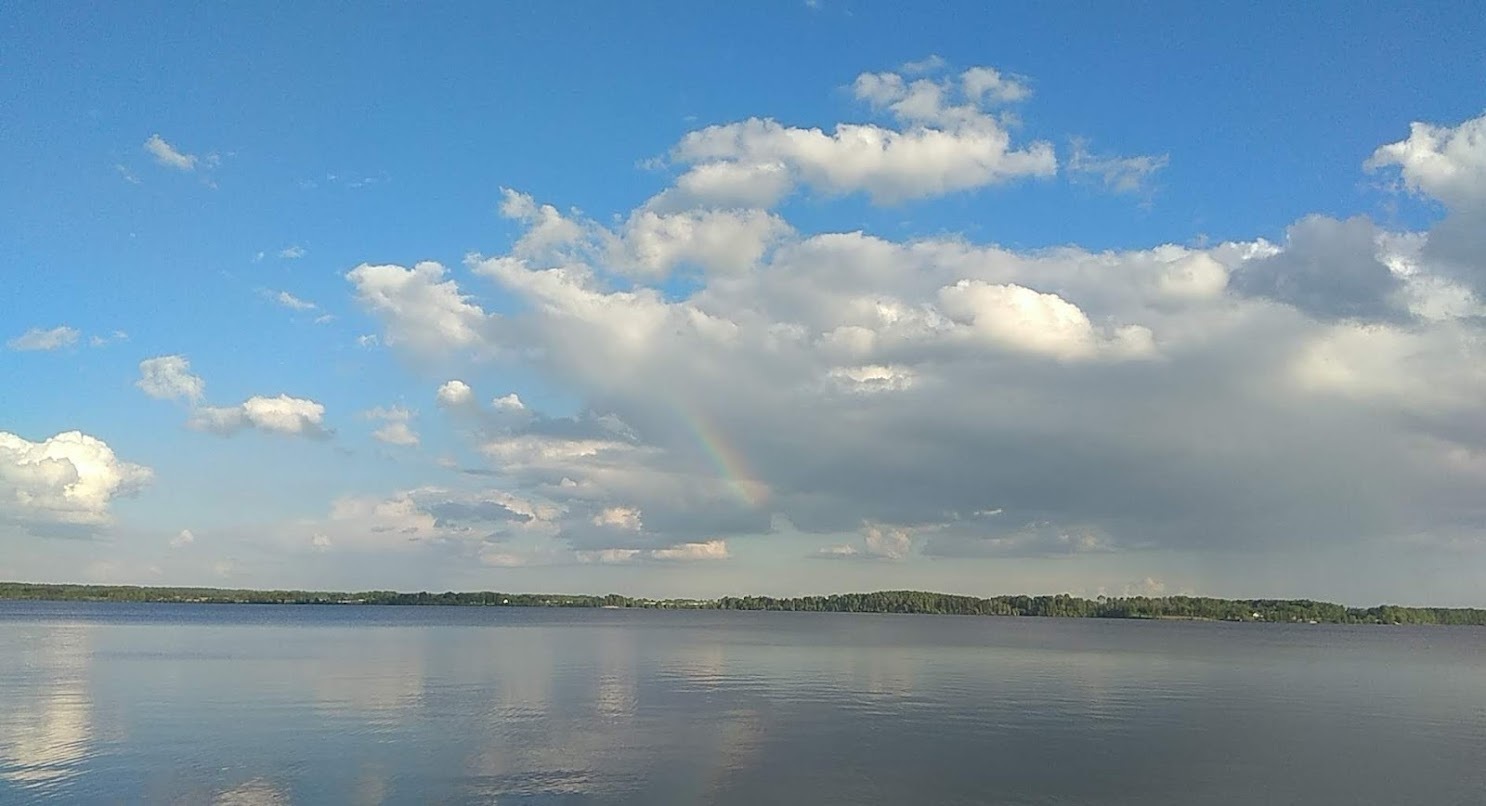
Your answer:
<point x="1059" y="606"/>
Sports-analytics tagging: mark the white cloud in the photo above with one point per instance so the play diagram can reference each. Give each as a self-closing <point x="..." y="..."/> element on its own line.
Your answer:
<point x="1446" y="162"/>
<point x="185" y="538"/>
<point x="986" y="82"/>
<point x="38" y="339"/>
<point x="692" y="552"/>
<point x="280" y="415"/>
<point x="950" y="140"/>
<point x="292" y="302"/>
<point x="455" y="393"/>
<point x="888" y="542"/>
<point x="168" y="155"/>
<point x="889" y="165"/>
<point x="960" y="399"/>
<point x="396" y="428"/>
<point x="683" y="552"/>
<point x="509" y="402"/>
<point x="67" y="479"/>
<point x="717" y="240"/>
<point x="420" y="308"/>
<point x="169" y="377"/>
<point x="396" y="434"/>
<point x="321" y="542"/>
<point x="727" y="185"/>
<point x="292" y="252"/>
<point x="627" y="518"/>
<point x="547" y="230"/>
<point x="1019" y="318"/>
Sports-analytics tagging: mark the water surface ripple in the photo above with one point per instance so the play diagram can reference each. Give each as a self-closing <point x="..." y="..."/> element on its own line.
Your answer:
<point x="120" y="703"/>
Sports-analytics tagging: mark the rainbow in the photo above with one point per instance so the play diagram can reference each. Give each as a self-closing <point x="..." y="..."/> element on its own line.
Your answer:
<point x="730" y="463"/>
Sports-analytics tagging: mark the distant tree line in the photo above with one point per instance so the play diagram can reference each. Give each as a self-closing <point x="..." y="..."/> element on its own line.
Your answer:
<point x="1147" y="607"/>
<point x="1060" y="606"/>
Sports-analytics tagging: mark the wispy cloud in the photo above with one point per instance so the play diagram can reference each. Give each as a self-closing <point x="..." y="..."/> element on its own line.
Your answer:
<point x="292" y="252"/>
<point x="288" y="300"/>
<point x="38" y="339"/>
<point x="352" y="181"/>
<point x="933" y="63"/>
<point x="1117" y="174"/>
<point x="126" y="174"/>
<point x="100" y="341"/>
<point x="170" y="156"/>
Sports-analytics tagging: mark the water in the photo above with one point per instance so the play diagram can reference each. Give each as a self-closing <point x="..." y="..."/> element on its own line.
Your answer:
<point x="113" y="703"/>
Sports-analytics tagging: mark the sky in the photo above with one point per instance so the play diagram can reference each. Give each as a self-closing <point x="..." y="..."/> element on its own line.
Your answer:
<point x="682" y="299"/>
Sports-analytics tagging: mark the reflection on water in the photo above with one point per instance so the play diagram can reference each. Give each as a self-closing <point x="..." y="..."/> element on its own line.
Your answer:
<point x="42" y="742"/>
<point x="270" y="705"/>
<point x="256" y="792"/>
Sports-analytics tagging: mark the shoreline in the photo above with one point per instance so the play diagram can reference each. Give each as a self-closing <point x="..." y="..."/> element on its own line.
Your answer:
<point x="1165" y="608"/>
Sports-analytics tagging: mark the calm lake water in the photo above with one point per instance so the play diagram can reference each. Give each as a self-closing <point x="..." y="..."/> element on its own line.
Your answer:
<point x="112" y="703"/>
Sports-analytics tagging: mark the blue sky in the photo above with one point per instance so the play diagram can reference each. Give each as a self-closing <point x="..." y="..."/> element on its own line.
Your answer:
<point x="1138" y="298"/>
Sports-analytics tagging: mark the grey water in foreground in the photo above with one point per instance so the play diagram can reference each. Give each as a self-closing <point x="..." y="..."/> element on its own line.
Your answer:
<point x="265" y="704"/>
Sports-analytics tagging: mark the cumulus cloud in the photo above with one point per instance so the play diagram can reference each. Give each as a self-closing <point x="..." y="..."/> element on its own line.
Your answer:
<point x="1329" y="269"/>
<point x="879" y="542"/>
<point x="951" y="139"/>
<point x="283" y="414"/>
<point x="1022" y="319"/>
<point x="730" y="241"/>
<point x="943" y="398"/>
<point x="183" y="539"/>
<point x="67" y="480"/>
<point x="169" y="377"/>
<point x="39" y="339"/>
<point x="1447" y="163"/>
<point x="420" y="308"/>
<point x="396" y="428"/>
<point x="455" y="393"/>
